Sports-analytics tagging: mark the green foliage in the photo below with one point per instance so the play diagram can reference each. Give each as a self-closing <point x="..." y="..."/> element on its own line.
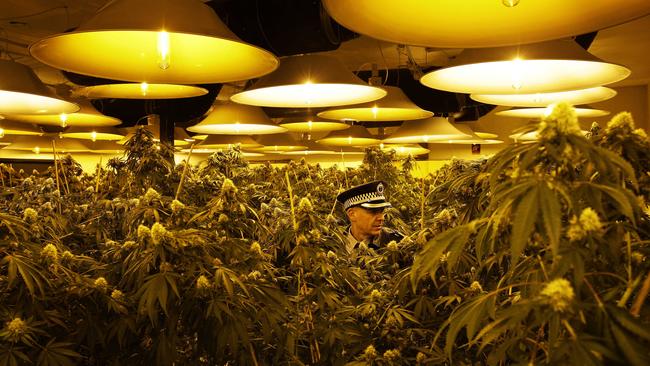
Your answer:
<point x="536" y="255"/>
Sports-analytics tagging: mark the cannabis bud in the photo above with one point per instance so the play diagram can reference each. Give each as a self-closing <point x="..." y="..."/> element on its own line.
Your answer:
<point x="476" y="286"/>
<point x="16" y="328"/>
<point x="255" y="248"/>
<point x="392" y="355"/>
<point x="228" y="187"/>
<point x="176" y="206"/>
<point x="305" y="205"/>
<point x="559" y="294"/>
<point x="392" y="246"/>
<point x="67" y="255"/>
<point x="420" y="358"/>
<point x="223" y="218"/>
<point x="158" y="233"/>
<point x="331" y="255"/>
<point x="151" y="195"/>
<point x="50" y="253"/>
<point x="101" y="283"/>
<point x="143" y="233"/>
<point x="254" y="275"/>
<point x="370" y="353"/>
<point x="202" y="283"/>
<point x="117" y="295"/>
<point x="30" y="215"/>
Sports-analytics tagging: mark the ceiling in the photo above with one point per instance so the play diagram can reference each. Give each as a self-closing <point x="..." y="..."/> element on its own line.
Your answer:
<point x="25" y="21"/>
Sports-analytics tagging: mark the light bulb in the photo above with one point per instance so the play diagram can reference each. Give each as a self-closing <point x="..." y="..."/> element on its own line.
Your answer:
<point x="36" y="150"/>
<point x="375" y="110"/>
<point x="310" y="124"/>
<point x="237" y="127"/>
<point x="2" y="132"/>
<point x="163" y="50"/>
<point x="549" y="109"/>
<point x="144" y="88"/>
<point x="517" y="71"/>
<point x="381" y="145"/>
<point x="93" y="136"/>
<point x="510" y="3"/>
<point x="64" y="119"/>
<point x="349" y="140"/>
<point x="425" y="138"/>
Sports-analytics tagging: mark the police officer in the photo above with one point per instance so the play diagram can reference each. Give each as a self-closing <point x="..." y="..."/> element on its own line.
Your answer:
<point x="364" y="206"/>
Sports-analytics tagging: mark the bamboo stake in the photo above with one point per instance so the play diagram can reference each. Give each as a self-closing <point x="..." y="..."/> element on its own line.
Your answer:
<point x="250" y="345"/>
<point x="98" y="173"/>
<point x="334" y="205"/>
<point x="187" y="163"/>
<point x="422" y="198"/>
<point x="293" y="209"/>
<point x="56" y="167"/>
<point x="640" y="299"/>
<point x="65" y="177"/>
<point x="2" y="175"/>
<point x="11" y="172"/>
<point x="345" y="173"/>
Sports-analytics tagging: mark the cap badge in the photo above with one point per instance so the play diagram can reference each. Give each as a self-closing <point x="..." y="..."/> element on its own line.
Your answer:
<point x="380" y="188"/>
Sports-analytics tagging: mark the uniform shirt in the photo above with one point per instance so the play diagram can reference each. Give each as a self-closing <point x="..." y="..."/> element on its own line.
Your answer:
<point x="385" y="236"/>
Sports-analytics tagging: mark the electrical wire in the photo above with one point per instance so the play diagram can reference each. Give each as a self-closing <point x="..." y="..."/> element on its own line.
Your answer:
<point x="37" y="13"/>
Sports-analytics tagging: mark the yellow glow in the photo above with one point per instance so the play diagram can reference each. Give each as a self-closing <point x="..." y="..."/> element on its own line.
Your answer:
<point x="86" y="116"/>
<point x="142" y="90"/>
<point x="574" y="97"/>
<point x="403" y="150"/>
<point x="227" y="141"/>
<point x="354" y="136"/>
<point x="2" y="132"/>
<point x="525" y="76"/>
<point x="163" y="50"/>
<point x="304" y="125"/>
<point x="541" y="112"/>
<point x="93" y="134"/>
<point x="144" y="87"/>
<point x="64" y="119"/>
<point x="19" y="103"/>
<point x="427" y="130"/>
<point x="479" y="23"/>
<point x="36" y="150"/>
<point x="234" y="119"/>
<point x="309" y="95"/>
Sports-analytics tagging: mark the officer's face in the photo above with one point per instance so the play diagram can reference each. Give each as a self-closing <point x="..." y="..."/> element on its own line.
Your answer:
<point x="367" y="221"/>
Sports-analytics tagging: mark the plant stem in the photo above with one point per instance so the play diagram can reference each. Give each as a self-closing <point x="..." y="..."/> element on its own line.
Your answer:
<point x="598" y="300"/>
<point x="187" y="163"/>
<point x="97" y="174"/>
<point x="293" y="209"/>
<point x="643" y="294"/>
<point x="422" y="206"/>
<point x="56" y="167"/>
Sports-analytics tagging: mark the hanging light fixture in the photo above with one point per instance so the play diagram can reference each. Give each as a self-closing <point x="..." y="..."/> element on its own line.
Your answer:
<point x="104" y="147"/>
<point x="22" y="92"/>
<point x="552" y="66"/>
<point x="171" y="41"/>
<point x="405" y="149"/>
<point x="16" y="128"/>
<point x="86" y="116"/>
<point x="473" y="138"/>
<point x="181" y="138"/>
<point x="521" y="112"/>
<point x="312" y="149"/>
<point x="349" y="151"/>
<point x="93" y="133"/>
<point x="427" y="130"/>
<point x="395" y="106"/>
<point x="312" y="124"/>
<point x="485" y="135"/>
<point x="236" y="119"/>
<point x="531" y="136"/>
<point x="219" y="142"/>
<point x="141" y="90"/>
<point x="573" y="97"/>
<point x="356" y="135"/>
<point x="43" y="144"/>
<point x="278" y="143"/>
<point x="479" y="23"/>
<point x="305" y="81"/>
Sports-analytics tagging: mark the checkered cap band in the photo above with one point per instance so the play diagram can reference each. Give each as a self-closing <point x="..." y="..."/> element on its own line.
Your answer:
<point x="362" y="198"/>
